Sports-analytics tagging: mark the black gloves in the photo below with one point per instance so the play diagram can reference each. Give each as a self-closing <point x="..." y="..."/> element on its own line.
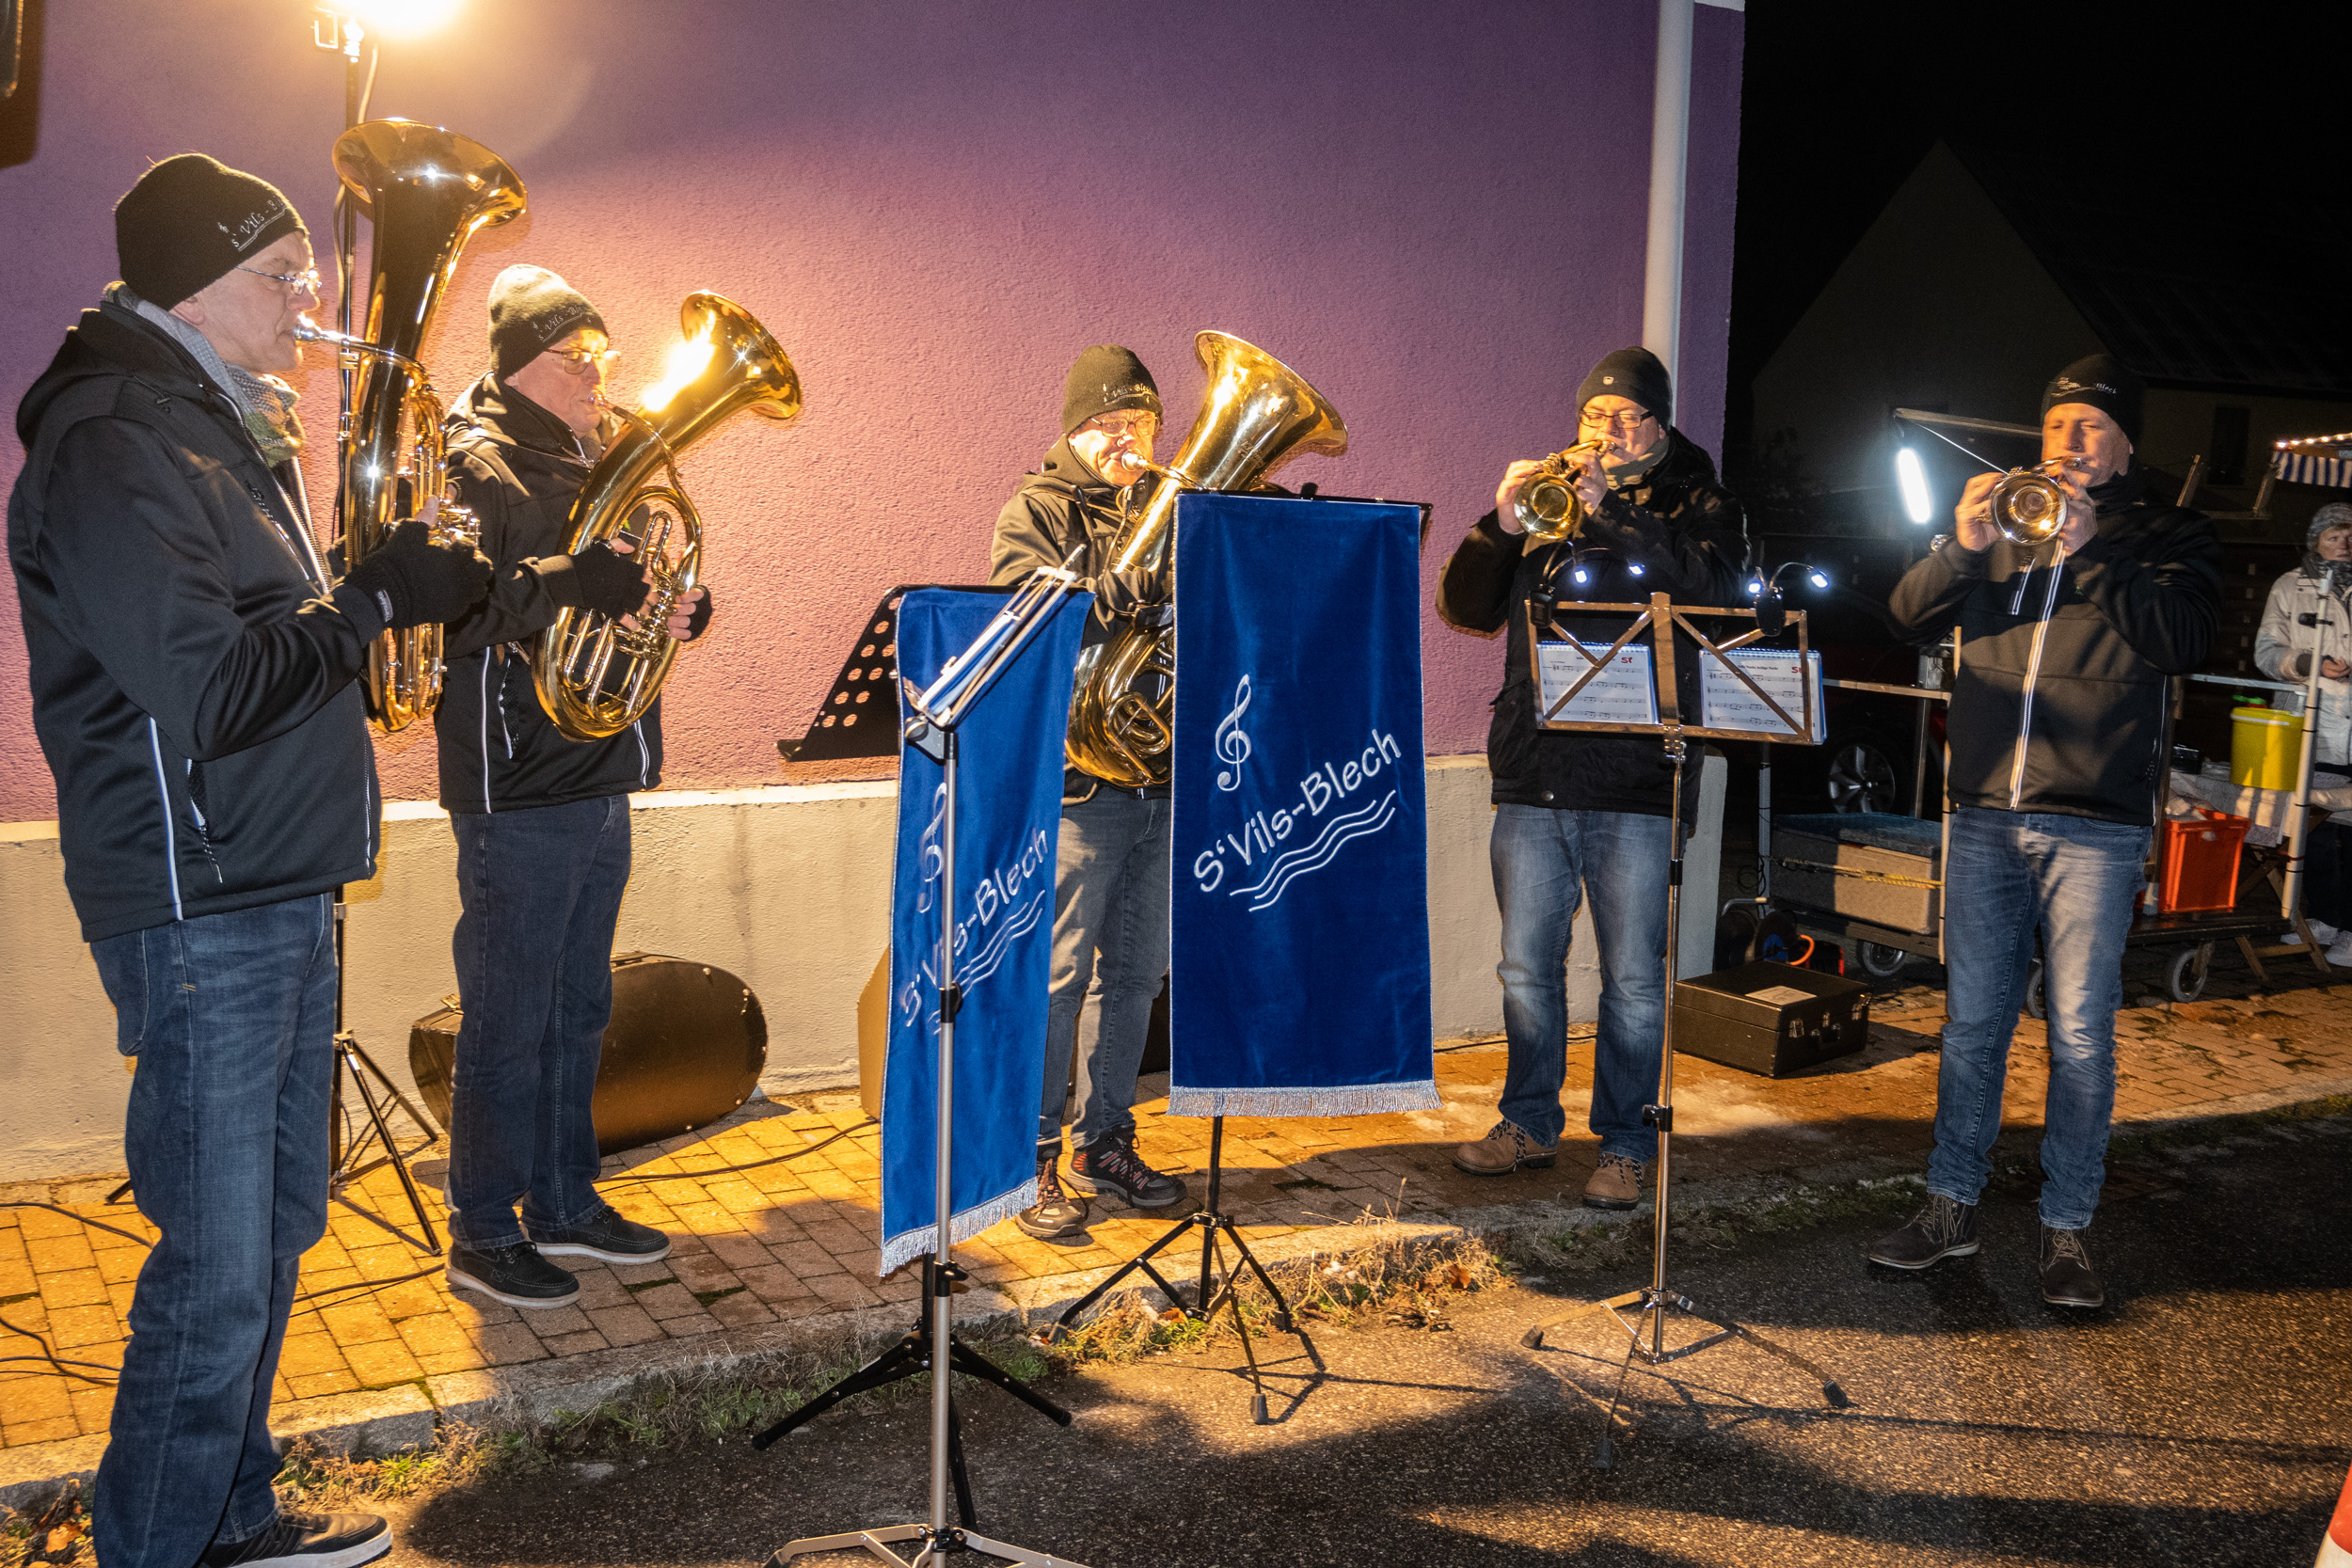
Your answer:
<point x="408" y="581"/>
<point x="599" y="577"/>
<point x="1124" y="593"/>
<point x="698" y="618"/>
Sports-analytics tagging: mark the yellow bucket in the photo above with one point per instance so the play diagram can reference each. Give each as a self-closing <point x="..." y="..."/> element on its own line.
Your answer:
<point x="2264" y="747"/>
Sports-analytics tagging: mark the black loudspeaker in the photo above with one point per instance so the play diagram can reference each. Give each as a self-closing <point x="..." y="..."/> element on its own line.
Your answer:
<point x="685" y="1045"/>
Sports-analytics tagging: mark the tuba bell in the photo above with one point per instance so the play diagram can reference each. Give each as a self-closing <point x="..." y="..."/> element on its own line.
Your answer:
<point x="2027" y="505"/>
<point x="426" y="191"/>
<point x="1546" y="507"/>
<point x="1256" y="415"/>
<point x="595" y="676"/>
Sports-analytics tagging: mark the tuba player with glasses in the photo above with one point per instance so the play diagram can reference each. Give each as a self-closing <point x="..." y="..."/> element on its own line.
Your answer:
<point x="1632" y="508"/>
<point x="541" y="820"/>
<point x="1111" y="881"/>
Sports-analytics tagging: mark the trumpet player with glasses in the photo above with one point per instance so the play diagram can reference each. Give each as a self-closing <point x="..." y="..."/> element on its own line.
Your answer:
<point x="1631" y="509"/>
<point x="2076" y="594"/>
<point x="541" y="820"/>
<point x="1111" y="878"/>
<point x="192" y="668"/>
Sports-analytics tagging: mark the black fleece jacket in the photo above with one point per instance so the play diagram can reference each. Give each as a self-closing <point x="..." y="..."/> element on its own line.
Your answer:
<point x="2135" y="605"/>
<point x="520" y="469"/>
<point x="192" y="676"/>
<point x="1685" y="532"/>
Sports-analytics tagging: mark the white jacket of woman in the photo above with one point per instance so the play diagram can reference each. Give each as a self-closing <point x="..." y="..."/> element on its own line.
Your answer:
<point x="2284" y="647"/>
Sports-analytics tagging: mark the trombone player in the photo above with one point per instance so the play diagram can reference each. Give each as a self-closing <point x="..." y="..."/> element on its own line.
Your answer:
<point x="541" y="820"/>
<point x="2057" y="733"/>
<point x="1111" y="881"/>
<point x="1583" y="816"/>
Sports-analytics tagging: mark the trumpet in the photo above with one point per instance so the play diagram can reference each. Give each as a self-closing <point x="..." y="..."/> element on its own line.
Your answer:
<point x="1547" y="506"/>
<point x="2027" y="505"/>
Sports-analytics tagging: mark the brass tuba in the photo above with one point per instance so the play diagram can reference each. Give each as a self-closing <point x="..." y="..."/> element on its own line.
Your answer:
<point x="1256" y="415"/>
<point x="1546" y="507"/>
<point x="2027" y="506"/>
<point x="425" y="191"/>
<point x="596" y="678"/>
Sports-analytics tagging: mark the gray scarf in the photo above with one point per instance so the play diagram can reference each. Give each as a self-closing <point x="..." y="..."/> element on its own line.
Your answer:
<point x="265" y="404"/>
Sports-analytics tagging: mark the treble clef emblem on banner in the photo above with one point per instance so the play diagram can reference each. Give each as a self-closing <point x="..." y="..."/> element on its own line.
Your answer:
<point x="1232" y="742"/>
<point x="928" y="856"/>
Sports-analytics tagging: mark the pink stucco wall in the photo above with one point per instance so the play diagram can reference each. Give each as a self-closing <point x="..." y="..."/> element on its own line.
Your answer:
<point x="1434" y="213"/>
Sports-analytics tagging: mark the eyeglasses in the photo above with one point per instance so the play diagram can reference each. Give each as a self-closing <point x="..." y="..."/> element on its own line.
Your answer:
<point x="1134" y="426"/>
<point x="303" y="282"/>
<point x="1629" y="420"/>
<point x="578" y="360"/>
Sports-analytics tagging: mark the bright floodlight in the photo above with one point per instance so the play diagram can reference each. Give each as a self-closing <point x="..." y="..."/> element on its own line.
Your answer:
<point x="1912" y="479"/>
<point x="401" y="18"/>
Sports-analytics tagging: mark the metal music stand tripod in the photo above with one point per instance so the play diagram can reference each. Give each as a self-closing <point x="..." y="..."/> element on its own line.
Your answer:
<point x="1209" y="1219"/>
<point x="1662" y="618"/>
<point x="963" y="681"/>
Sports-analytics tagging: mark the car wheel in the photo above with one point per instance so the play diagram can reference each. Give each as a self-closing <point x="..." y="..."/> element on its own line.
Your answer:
<point x="1861" y="779"/>
<point x="1879" y="961"/>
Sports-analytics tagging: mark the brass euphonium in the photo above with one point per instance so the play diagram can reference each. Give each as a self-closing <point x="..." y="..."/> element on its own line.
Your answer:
<point x="1256" y="415"/>
<point x="2027" y="505"/>
<point x="1546" y="507"/>
<point x="425" y="191"/>
<point x="596" y="678"/>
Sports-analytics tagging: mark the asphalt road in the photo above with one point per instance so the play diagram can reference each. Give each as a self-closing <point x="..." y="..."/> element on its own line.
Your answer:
<point x="2204" y="1417"/>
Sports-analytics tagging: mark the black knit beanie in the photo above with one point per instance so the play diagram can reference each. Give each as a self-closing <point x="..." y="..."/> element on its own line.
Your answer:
<point x="1635" y="373"/>
<point x="1106" y="376"/>
<point x="189" y="220"/>
<point x="530" y="311"/>
<point x="2101" y="380"/>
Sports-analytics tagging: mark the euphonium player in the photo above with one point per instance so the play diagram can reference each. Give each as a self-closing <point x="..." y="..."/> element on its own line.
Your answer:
<point x="2056" y="738"/>
<point x="193" y="673"/>
<point x="542" y="821"/>
<point x="1111" y="882"/>
<point x="1583" y="816"/>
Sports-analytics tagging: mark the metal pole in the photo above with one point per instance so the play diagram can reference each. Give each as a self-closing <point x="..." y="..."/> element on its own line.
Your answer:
<point x="1669" y="168"/>
<point x="1666" y="1059"/>
<point x="950" y="1001"/>
<point x="2300" y="816"/>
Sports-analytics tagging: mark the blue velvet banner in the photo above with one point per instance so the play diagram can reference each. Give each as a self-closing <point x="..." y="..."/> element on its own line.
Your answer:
<point x="1007" y="822"/>
<point x="1299" y="937"/>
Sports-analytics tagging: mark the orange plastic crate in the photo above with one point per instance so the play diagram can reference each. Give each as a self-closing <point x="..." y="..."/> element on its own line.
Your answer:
<point x="2201" y="862"/>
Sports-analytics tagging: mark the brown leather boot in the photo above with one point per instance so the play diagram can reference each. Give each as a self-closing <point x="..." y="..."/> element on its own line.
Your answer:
<point x="1502" y="1150"/>
<point x="1617" y="1183"/>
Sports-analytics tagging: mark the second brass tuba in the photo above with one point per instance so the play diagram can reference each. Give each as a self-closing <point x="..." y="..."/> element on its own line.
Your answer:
<point x="1256" y="415"/>
<point x="426" y="191"/>
<point x="595" y="676"/>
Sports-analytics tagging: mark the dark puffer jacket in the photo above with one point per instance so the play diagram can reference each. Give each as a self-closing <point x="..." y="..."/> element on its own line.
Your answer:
<point x="192" y="678"/>
<point x="2138" y="602"/>
<point x="520" y="469"/>
<point x="1685" y="532"/>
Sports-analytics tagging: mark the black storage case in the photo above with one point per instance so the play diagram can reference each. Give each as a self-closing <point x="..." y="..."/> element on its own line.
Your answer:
<point x="1769" y="1017"/>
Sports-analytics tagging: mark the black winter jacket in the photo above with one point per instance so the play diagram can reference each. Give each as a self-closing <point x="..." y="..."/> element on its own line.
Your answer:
<point x="520" y="469"/>
<point x="191" y="674"/>
<point x="1685" y="530"/>
<point x="2137" y="603"/>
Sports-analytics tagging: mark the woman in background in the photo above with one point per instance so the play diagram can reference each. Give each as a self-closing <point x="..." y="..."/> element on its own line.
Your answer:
<point x="2321" y="588"/>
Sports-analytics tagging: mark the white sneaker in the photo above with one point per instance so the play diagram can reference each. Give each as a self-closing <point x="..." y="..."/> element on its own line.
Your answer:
<point x="2322" y="933"/>
<point x="2341" y="953"/>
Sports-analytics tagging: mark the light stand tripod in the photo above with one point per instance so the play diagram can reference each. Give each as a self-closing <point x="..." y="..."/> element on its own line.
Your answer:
<point x="1662" y="618"/>
<point x="1208" y="1220"/>
<point x="938" y="713"/>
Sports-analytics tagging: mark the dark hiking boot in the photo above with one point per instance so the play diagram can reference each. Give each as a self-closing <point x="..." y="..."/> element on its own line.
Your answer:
<point x="1114" y="1169"/>
<point x="2067" y="1278"/>
<point x="1056" y="1216"/>
<point x="1942" y="1230"/>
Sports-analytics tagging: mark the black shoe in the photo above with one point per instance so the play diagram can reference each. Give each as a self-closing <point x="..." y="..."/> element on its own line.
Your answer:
<point x="307" y="1541"/>
<point x="1056" y="1215"/>
<point x="517" y="1275"/>
<point x="1942" y="1230"/>
<point x="1113" y="1170"/>
<point x="607" y="1237"/>
<point x="2068" y="1279"/>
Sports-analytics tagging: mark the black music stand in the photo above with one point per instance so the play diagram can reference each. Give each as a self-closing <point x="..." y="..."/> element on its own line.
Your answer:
<point x="938" y="713"/>
<point x="1662" y="618"/>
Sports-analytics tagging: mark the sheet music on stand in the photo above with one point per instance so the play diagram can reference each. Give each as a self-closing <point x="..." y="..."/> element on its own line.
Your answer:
<point x="1624" y="693"/>
<point x="1727" y="703"/>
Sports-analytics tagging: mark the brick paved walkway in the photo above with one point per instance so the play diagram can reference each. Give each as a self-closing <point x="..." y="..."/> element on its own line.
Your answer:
<point x="798" y="1236"/>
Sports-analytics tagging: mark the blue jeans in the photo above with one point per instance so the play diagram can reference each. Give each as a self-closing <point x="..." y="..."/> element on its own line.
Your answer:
<point x="2010" y="874"/>
<point x="1546" y="863"/>
<point x="233" y="1020"/>
<point x="540" y="891"/>
<point x="1110" y="944"/>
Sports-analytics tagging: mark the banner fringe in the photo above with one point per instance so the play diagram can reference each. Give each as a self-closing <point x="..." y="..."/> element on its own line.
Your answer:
<point x="899" y="1250"/>
<point x="1330" y="1101"/>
